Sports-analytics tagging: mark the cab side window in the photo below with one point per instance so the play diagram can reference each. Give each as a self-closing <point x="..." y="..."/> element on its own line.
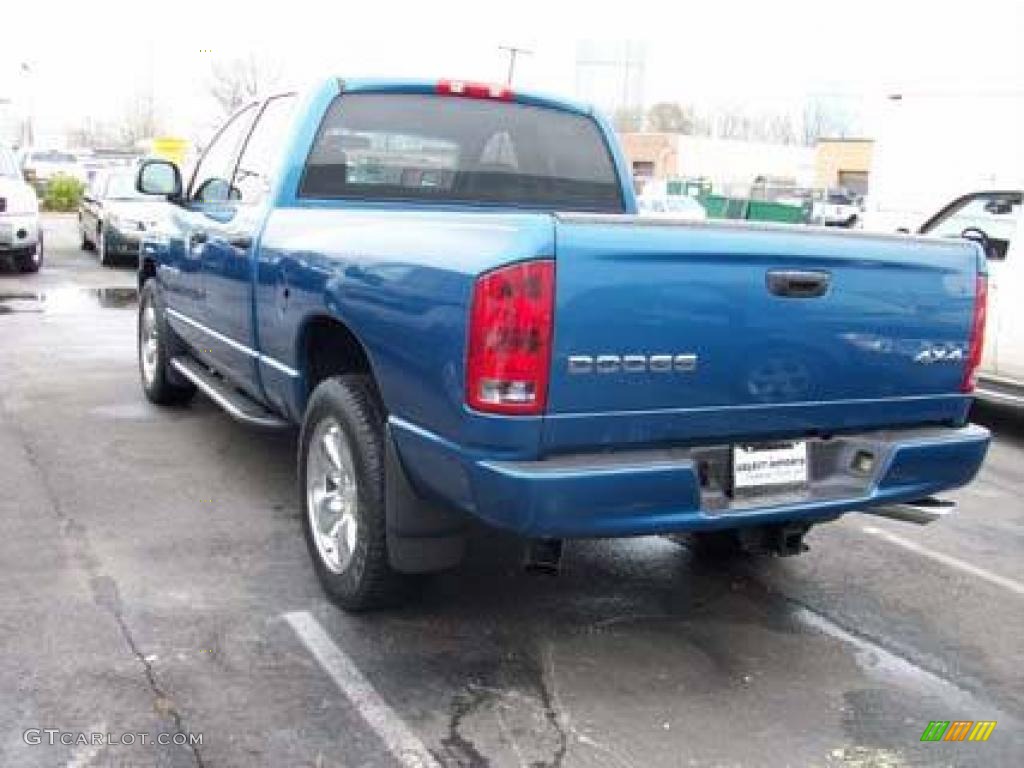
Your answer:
<point x="254" y="176"/>
<point x="211" y="182"/>
<point x="995" y="214"/>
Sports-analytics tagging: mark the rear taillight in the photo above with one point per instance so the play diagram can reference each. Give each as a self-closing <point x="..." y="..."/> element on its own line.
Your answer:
<point x="977" y="342"/>
<point x="510" y="329"/>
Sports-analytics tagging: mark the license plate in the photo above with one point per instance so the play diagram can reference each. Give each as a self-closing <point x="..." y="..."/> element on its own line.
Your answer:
<point x="770" y="466"/>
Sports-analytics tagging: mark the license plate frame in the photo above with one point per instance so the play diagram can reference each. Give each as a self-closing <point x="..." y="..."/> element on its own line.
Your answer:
<point x="761" y="468"/>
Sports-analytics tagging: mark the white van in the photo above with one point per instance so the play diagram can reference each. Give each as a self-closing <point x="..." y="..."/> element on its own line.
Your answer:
<point x="995" y="219"/>
<point x="21" y="238"/>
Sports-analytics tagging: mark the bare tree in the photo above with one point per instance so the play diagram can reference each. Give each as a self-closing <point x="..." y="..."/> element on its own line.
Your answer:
<point x="235" y="82"/>
<point x="667" y="117"/>
<point x="92" y="133"/>
<point x="139" y="120"/>
<point x="628" y="119"/>
<point x="767" y="126"/>
<point x="824" y="118"/>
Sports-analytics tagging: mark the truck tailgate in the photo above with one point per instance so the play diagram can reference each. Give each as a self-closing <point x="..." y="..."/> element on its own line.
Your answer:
<point x="769" y="330"/>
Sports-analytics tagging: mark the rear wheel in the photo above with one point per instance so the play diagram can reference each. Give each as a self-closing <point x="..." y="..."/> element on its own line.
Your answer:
<point x="341" y="479"/>
<point x="157" y="345"/>
<point x="32" y="262"/>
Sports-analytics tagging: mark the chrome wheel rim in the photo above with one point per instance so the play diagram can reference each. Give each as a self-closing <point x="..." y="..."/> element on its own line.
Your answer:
<point x="149" y="344"/>
<point x="332" y="496"/>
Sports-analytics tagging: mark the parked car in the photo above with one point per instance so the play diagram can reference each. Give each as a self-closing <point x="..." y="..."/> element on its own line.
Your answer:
<point x="21" y="238"/>
<point x="447" y="287"/>
<point x="113" y="216"/>
<point x="994" y="219"/>
<point x="671" y="207"/>
<point x="838" y="209"/>
<point x="42" y="166"/>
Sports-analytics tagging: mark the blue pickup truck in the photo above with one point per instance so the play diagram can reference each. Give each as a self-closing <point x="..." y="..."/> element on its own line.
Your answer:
<point x="446" y="286"/>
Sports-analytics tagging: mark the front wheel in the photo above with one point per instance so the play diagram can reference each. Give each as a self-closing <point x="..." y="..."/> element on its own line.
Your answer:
<point x="157" y="345"/>
<point x="341" y="479"/>
<point x="105" y="257"/>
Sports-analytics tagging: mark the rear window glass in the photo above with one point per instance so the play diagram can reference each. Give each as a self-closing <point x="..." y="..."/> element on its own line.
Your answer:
<point x="451" y="149"/>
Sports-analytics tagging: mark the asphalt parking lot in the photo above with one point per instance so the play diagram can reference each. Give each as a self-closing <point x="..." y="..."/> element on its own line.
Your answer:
<point x="155" y="581"/>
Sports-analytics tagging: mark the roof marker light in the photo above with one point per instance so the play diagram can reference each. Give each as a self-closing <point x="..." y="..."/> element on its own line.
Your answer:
<point x="474" y="90"/>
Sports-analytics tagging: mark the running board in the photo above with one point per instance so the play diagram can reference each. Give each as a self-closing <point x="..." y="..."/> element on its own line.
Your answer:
<point x="239" y="406"/>
<point x="921" y="511"/>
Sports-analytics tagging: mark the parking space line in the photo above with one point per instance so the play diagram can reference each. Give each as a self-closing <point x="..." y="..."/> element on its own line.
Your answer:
<point x="399" y="739"/>
<point x="993" y="578"/>
<point x="872" y="658"/>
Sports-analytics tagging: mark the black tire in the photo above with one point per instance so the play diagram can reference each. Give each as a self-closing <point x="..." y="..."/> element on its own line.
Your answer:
<point x="87" y="244"/>
<point x="163" y="387"/>
<point x="32" y="262"/>
<point x="367" y="581"/>
<point x="106" y="259"/>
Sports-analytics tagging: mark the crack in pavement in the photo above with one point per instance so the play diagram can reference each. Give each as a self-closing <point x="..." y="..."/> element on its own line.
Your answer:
<point x="102" y="587"/>
<point x="553" y="710"/>
<point x="455" y="745"/>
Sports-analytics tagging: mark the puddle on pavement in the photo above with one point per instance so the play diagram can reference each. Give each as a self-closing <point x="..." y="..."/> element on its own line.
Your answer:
<point x="67" y="300"/>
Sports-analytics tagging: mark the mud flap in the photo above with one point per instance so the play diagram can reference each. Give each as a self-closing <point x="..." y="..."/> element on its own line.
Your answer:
<point x="422" y="536"/>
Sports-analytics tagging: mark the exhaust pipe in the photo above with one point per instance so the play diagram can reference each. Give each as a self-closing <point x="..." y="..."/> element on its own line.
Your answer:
<point x="920" y="512"/>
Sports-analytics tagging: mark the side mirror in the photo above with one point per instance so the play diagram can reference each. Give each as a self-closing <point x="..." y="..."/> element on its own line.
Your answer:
<point x="159" y="177"/>
<point x="978" y="236"/>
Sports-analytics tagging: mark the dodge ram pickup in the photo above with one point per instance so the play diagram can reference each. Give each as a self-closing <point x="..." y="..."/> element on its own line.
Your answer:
<point x="446" y="287"/>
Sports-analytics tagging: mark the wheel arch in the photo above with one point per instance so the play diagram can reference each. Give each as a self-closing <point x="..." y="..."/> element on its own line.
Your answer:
<point x="327" y="346"/>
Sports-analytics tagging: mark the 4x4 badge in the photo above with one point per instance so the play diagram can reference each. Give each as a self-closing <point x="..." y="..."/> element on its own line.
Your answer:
<point x="931" y="355"/>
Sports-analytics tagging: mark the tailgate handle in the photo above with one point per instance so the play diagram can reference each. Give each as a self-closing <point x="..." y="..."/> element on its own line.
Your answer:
<point x="798" y="284"/>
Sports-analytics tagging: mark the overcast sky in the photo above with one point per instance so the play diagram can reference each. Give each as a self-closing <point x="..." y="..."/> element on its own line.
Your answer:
<point x="86" y="59"/>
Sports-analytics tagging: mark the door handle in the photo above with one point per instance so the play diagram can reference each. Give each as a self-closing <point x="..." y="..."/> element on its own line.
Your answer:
<point x="797" y="284"/>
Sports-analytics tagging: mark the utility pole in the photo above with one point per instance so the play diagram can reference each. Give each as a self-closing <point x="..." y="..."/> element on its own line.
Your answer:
<point x="28" y="134"/>
<point x="513" y="54"/>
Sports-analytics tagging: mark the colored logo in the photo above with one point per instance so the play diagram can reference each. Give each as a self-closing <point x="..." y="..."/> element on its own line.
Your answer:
<point x="958" y="730"/>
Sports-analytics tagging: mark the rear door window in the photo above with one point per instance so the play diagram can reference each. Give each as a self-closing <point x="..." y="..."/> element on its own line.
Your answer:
<point x="449" y="149"/>
<point x="211" y="182"/>
<point x="253" y="177"/>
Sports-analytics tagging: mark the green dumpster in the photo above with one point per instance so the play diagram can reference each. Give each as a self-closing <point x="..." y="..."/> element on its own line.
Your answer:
<point x="720" y="207"/>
